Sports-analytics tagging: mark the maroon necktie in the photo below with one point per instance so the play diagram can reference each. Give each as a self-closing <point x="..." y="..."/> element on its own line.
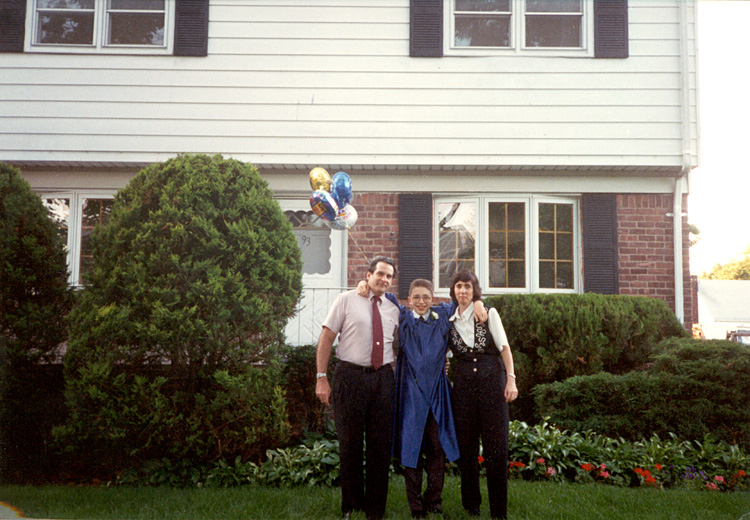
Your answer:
<point x="377" y="335"/>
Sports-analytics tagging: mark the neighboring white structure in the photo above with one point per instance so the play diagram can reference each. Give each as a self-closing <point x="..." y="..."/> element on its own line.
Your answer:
<point x="510" y="113"/>
<point x="723" y="306"/>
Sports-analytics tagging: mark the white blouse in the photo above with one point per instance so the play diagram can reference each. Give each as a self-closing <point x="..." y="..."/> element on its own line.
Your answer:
<point x="465" y="326"/>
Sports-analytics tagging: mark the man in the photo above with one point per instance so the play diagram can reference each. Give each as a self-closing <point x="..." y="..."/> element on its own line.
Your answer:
<point x="364" y="387"/>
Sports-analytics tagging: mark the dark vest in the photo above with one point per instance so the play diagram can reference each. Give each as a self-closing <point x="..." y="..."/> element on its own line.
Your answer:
<point x="483" y="343"/>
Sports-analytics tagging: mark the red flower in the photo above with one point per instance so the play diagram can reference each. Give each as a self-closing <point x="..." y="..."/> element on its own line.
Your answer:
<point x="481" y="459"/>
<point x="658" y="467"/>
<point x="741" y="473"/>
<point x="540" y="460"/>
<point x="515" y="464"/>
<point x="638" y="471"/>
<point x="587" y="466"/>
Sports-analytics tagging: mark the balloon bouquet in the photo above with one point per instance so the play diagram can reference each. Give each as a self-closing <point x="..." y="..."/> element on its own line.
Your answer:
<point x="330" y="198"/>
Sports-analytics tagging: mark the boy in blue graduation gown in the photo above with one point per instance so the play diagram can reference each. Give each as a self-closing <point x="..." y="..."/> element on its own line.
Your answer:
<point x="424" y="417"/>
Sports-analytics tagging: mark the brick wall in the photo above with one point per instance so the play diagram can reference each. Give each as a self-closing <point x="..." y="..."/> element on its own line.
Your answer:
<point x="646" y="266"/>
<point x="646" y="249"/>
<point x="374" y="234"/>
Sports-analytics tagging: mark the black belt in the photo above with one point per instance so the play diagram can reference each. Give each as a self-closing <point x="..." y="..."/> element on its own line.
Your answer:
<point x="360" y="368"/>
<point x="473" y="358"/>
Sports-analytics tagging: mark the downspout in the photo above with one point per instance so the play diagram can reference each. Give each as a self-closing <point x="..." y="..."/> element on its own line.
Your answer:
<point x="687" y="164"/>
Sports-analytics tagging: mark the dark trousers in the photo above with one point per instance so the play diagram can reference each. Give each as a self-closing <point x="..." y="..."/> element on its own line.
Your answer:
<point x="434" y="465"/>
<point x="480" y="410"/>
<point x="363" y="411"/>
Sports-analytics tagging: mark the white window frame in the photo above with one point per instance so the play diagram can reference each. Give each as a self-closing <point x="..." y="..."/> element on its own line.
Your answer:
<point x="76" y="198"/>
<point x="481" y="252"/>
<point x="518" y="36"/>
<point x="101" y="27"/>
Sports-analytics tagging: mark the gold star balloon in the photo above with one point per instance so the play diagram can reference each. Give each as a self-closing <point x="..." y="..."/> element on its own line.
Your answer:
<point x="319" y="179"/>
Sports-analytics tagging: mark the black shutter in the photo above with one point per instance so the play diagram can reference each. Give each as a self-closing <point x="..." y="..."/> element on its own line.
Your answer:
<point x="12" y="25"/>
<point x="414" y="239"/>
<point x="599" y="211"/>
<point x="426" y="28"/>
<point x="191" y="28"/>
<point x="611" y="29"/>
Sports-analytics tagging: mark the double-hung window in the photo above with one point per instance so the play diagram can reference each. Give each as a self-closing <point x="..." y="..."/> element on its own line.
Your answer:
<point x="513" y="244"/>
<point x="520" y="26"/>
<point x="111" y="26"/>
<point x="77" y="214"/>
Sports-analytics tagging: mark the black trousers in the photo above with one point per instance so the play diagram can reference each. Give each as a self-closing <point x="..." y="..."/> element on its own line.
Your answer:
<point x="363" y="411"/>
<point x="480" y="410"/>
<point x="434" y="465"/>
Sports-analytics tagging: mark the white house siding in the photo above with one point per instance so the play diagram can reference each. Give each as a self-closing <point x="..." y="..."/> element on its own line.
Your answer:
<point x="298" y="83"/>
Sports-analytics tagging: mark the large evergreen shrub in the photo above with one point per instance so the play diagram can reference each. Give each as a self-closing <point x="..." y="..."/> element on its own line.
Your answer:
<point x="557" y="336"/>
<point x="34" y="301"/>
<point x="693" y="388"/>
<point x="194" y="276"/>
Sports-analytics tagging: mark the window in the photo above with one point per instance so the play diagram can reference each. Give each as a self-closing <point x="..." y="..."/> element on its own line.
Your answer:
<point x="77" y="215"/>
<point x="555" y="26"/>
<point x="513" y="244"/>
<point x="117" y="26"/>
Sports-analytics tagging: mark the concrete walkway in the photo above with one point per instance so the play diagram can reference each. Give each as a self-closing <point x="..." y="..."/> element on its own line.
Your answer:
<point x="7" y="511"/>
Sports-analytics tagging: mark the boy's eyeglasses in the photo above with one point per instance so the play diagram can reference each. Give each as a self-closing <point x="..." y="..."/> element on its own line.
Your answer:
<point x="419" y="297"/>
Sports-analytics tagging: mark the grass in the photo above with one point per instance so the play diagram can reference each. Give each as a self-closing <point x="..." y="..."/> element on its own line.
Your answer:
<point x="527" y="501"/>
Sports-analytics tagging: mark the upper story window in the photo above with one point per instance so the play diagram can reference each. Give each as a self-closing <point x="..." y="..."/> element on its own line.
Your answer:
<point x="110" y="26"/>
<point x="551" y="27"/>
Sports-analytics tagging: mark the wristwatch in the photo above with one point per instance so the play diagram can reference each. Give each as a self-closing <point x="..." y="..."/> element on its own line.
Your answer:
<point x="320" y="374"/>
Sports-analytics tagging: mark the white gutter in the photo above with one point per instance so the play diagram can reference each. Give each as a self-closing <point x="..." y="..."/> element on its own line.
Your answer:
<point x="687" y="163"/>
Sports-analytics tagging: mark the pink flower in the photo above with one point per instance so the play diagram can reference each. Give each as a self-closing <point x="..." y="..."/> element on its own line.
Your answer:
<point x="550" y="471"/>
<point x="602" y="466"/>
<point x="711" y="485"/>
<point x="605" y="474"/>
<point x="540" y="460"/>
<point x="719" y="478"/>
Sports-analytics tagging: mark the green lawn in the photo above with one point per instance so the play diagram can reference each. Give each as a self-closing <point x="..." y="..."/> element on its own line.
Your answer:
<point x="528" y="501"/>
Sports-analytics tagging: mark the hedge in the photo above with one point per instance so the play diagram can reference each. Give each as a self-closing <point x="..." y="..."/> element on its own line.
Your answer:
<point x="692" y="388"/>
<point x="554" y="337"/>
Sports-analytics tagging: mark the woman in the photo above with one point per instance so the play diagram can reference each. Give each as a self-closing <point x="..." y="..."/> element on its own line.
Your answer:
<point x="483" y="384"/>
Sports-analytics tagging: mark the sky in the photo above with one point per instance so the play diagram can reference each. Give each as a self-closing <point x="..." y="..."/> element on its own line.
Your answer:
<point x="719" y="200"/>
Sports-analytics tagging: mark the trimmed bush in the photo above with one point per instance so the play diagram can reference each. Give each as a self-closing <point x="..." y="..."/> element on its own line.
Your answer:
<point x="194" y="278"/>
<point x="693" y="388"/>
<point x="306" y="414"/>
<point x="34" y="301"/>
<point x="557" y="336"/>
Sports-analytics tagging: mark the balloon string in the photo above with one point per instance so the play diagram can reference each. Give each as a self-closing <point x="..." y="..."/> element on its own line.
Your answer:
<point x="356" y="244"/>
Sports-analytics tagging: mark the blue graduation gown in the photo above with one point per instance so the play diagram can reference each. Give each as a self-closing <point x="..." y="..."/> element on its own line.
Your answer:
<point x="421" y="383"/>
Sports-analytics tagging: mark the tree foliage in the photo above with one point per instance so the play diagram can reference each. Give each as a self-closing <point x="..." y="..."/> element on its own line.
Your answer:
<point x="193" y="280"/>
<point x="198" y="269"/>
<point x="34" y="293"/>
<point x="34" y="301"/>
<point x="737" y="269"/>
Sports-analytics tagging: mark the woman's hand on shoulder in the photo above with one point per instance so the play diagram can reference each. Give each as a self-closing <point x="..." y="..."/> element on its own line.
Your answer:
<point x="363" y="289"/>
